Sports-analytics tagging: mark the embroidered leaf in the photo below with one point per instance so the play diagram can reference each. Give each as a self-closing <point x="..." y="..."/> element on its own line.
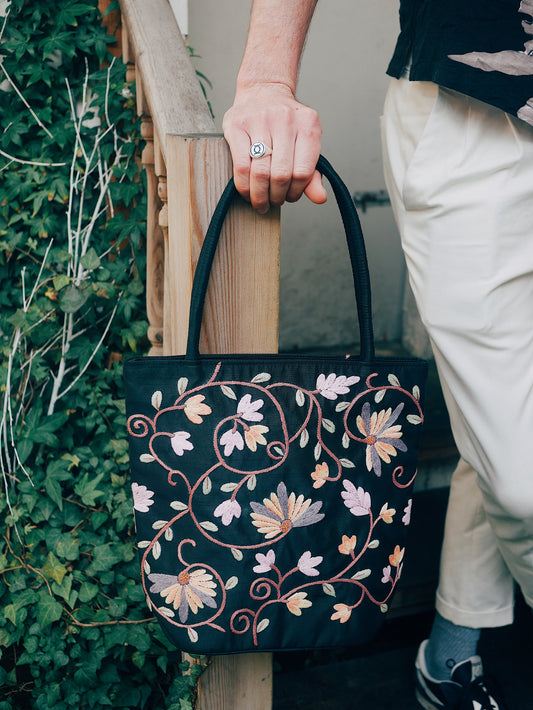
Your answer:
<point x="149" y="603"/>
<point x="209" y="526"/>
<point x="146" y="458"/>
<point x="279" y="450"/>
<point x="414" y="419"/>
<point x="328" y="425"/>
<point x="318" y="450"/>
<point x="142" y="544"/>
<point x="384" y="608"/>
<point x="178" y="505"/>
<point x="156" y="400"/>
<point x="228" y="487"/>
<point x="251" y="482"/>
<point x="166" y="611"/>
<point x="346" y="463"/>
<point x="193" y="635"/>
<point x="341" y="406"/>
<point x="379" y="396"/>
<point x="345" y="440"/>
<point x="147" y="568"/>
<point x="261" y="626"/>
<point x="228" y="391"/>
<point x="183" y="383"/>
<point x="416" y="392"/>
<point x="156" y="550"/>
<point x="159" y="524"/>
<point x="300" y="398"/>
<point x="304" y="438"/>
<point x="232" y="582"/>
<point x="362" y="574"/>
<point x="261" y="377"/>
<point x="328" y="589"/>
<point x="372" y="545"/>
<point x="169" y="535"/>
<point x="394" y="381"/>
<point x="207" y="486"/>
<point x="236" y="553"/>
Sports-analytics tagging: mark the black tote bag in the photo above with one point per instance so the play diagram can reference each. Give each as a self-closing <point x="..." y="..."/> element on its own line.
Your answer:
<point x="272" y="493"/>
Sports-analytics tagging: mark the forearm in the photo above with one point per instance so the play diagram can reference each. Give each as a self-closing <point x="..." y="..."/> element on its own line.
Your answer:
<point x="276" y="37"/>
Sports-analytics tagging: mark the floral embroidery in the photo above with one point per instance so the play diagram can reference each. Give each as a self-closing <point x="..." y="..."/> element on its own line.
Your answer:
<point x="407" y="512"/>
<point x="356" y="499"/>
<point x="342" y="613"/>
<point x="332" y="386"/>
<point x="247" y="410"/>
<point x="320" y="474"/>
<point x="387" y="574"/>
<point x="254" y="436"/>
<point x="396" y="558"/>
<point x="188" y="590"/>
<point x="232" y="439"/>
<point x="298" y="601"/>
<point x="180" y="442"/>
<point x="195" y="409"/>
<point x="348" y="544"/>
<point x="307" y="564"/>
<point x="381" y="435"/>
<point x="266" y="562"/>
<point x="227" y="510"/>
<point x="387" y="514"/>
<point x="142" y="498"/>
<point x="280" y="513"/>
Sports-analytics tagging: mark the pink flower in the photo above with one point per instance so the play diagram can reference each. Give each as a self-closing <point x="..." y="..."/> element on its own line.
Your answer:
<point x="230" y="440"/>
<point x="254" y="436"/>
<point x="382" y="435"/>
<point x="342" y="613"/>
<point x="266" y="562"/>
<point x="332" y="386"/>
<point x="246" y="409"/>
<point x="195" y="409"/>
<point x="356" y="499"/>
<point x="387" y="574"/>
<point x="298" y="601"/>
<point x="179" y="442"/>
<point x="228" y="510"/>
<point x="142" y="497"/>
<point x="407" y="510"/>
<point x="347" y="545"/>
<point x="307" y="564"/>
<point x="320" y="474"/>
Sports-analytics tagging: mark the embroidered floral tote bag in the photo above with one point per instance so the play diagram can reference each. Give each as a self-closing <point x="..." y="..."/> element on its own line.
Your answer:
<point x="272" y="493"/>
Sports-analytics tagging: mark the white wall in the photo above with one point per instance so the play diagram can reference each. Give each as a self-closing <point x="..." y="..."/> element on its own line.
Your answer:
<point x="343" y="77"/>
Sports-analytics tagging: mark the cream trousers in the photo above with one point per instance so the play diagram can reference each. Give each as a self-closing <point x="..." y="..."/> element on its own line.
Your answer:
<point x="460" y="178"/>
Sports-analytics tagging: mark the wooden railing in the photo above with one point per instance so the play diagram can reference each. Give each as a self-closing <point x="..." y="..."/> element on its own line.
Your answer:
<point x="187" y="166"/>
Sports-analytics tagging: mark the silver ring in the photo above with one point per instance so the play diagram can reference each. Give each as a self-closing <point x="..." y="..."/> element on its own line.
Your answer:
<point x="258" y="150"/>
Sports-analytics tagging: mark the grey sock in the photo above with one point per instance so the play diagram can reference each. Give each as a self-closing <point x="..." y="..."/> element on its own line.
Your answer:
<point x="448" y="645"/>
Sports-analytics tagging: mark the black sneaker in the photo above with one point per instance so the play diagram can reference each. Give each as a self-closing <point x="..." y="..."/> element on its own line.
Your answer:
<point x="468" y="688"/>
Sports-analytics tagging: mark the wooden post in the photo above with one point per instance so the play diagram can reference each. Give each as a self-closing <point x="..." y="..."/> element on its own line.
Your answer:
<point x="241" y="315"/>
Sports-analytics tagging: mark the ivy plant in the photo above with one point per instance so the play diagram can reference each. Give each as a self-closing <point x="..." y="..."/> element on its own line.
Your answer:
<point x="74" y="629"/>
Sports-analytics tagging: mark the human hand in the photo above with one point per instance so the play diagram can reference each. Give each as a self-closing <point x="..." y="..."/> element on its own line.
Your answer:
<point x="269" y="112"/>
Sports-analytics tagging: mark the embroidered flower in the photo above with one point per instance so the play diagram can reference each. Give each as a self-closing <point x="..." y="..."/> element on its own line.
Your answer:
<point x="396" y="558"/>
<point x="307" y="564"/>
<point x="230" y="440"/>
<point x="266" y="562"/>
<point x="348" y="544"/>
<point x="142" y="497"/>
<point x="342" y="613"/>
<point x="332" y="386"/>
<point x="297" y="602"/>
<point x="356" y="499"/>
<point x="279" y="513"/>
<point x="387" y="574"/>
<point x="407" y="512"/>
<point x="187" y="590"/>
<point x="381" y="435"/>
<point x="195" y="409"/>
<point x="254" y="436"/>
<point x="247" y="410"/>
<point x="227" y="510"/>
<point x="320" y="475"/>
<point x="387" y="513"/>
<point x="180" y="444"/>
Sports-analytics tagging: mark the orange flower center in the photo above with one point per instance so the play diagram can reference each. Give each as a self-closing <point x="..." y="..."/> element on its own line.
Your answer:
<point x="286" y="525"/>
<point x="184" y="578"/>
<point x="370" y="440"/>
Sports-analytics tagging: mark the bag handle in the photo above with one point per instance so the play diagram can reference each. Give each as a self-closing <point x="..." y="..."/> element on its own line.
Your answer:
<point x="356" y="248"/>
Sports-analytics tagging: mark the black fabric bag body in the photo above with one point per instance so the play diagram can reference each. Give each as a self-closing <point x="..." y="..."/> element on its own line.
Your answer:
<point x="272" y="493"/>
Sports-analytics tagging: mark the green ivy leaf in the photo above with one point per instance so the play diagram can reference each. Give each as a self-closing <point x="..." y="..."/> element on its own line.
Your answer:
<point x="48" y="610"/>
